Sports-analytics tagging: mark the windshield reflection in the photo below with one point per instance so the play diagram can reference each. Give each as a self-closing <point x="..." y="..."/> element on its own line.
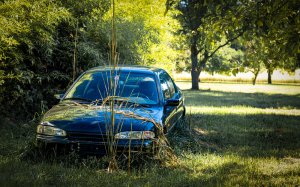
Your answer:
<point x="135" y="87"/>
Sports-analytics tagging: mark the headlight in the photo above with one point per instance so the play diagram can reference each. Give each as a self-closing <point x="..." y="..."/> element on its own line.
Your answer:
<point x="135" y="135"/>
<point x="47" y="129"/>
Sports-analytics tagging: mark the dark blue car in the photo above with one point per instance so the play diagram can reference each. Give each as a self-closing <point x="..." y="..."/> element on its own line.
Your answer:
<point x="145" y="102"/>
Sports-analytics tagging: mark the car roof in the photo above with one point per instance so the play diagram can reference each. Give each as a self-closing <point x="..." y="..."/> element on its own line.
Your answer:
<point x="127" y="68"/>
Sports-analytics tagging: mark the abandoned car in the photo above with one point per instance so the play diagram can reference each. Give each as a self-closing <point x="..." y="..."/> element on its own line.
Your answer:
<point x="125" y="107"/>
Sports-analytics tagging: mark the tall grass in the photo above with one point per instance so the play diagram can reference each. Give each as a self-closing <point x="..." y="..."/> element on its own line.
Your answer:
<point x="240" y="135"/>
<point x="162" y="142"/>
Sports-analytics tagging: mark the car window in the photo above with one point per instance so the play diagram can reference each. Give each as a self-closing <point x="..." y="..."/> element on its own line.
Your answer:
<point x="171" y="85"/>
<point x="164" y="85"/>
<point x="137" y="87"/>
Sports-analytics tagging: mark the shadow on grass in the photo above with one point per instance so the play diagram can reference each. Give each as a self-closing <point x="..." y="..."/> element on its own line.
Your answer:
<point x="261" y="135"/>
<point x="228" y="99"/>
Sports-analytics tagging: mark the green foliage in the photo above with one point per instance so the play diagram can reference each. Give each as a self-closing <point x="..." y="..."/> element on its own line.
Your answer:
<point x="151" y="29"/>
<point x="225" y="61"/>
<point x="37" y="41"/>
<point x="28" y="40"/>
<point x="209" y="26"/>
<point x="275" y="31"/>
<point x="37" y="44"/>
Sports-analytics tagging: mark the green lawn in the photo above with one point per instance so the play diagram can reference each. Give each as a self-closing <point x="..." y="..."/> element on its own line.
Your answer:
<point x="239" y="134"/>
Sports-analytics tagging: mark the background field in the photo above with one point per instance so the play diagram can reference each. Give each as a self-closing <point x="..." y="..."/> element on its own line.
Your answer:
<point x="278" y="77"/>
<point x="235" y="134"/>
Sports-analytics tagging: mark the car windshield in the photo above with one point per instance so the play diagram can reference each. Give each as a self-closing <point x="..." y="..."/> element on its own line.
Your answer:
<point x="129" y="86"/>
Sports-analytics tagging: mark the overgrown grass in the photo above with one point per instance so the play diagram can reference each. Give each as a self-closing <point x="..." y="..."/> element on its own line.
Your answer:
<point x="235" y="134"/>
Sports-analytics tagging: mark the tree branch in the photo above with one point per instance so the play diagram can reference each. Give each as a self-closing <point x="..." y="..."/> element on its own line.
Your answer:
<point x="199" y="50"/>
<point x="227" y="42"/>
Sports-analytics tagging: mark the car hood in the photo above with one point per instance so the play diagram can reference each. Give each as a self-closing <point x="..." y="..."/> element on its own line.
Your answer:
<point x="71" y="116"/>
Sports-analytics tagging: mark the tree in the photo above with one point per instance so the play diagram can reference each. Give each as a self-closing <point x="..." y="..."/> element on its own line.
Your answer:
<point x="206" y="22"/>
<point x="205" y="25"/>
<point x="254" y="57"/>
<point x="37" y="45"/>
<point x="154" y="37"/>
<point x="83" y="27"/>
<point x="277" y="33"/>
<point x="225" y="60"/>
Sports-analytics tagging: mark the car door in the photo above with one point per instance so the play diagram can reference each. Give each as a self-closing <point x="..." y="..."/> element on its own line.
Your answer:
<point x="168" y="93"/>
<point x="176" y="95"/>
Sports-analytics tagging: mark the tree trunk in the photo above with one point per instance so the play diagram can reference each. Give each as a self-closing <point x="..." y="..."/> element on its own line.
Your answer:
<point x="269" y="76"/>
<point x="254" y="78"/>
<point x="195" y="80"/>
<point x="256" y="72"/>
<point x="194" y="58"/>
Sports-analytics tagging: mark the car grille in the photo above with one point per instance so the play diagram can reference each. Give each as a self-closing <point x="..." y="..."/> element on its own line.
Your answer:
<point x="91" y="149"/>
<point x="87" y="137"/>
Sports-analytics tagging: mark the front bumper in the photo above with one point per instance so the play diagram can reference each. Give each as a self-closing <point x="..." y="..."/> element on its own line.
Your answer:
<point x="96" y="147"/>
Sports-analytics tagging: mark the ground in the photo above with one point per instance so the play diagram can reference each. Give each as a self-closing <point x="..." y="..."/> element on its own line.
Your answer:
<point x="234" y="134"/>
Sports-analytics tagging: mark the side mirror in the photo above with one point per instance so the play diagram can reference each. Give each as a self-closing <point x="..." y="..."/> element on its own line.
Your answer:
<point x="172" y="102"/>
<point x="59" y="96"/>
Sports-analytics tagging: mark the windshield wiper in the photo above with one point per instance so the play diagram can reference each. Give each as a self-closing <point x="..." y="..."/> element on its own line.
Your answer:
<point x="145" y="105"/>
<point x="78" y="98"/>
<point x="127" y="101"/>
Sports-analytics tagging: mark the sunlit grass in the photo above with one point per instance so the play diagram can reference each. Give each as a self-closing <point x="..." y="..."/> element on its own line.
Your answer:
<point x="232" y="169"/>
<point x="245" y="88"/>
<point x="243" y="110"/>
<point x="252" y="130"/>
<point x="240" y="135"/>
